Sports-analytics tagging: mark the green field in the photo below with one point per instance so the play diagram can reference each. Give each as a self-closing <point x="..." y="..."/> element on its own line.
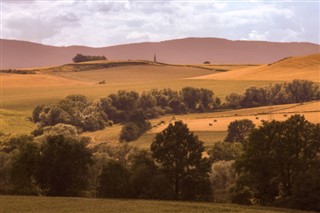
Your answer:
<point x="13" y="204"/>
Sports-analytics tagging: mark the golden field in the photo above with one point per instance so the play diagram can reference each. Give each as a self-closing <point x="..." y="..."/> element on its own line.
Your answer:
<point x="21" y="93"/>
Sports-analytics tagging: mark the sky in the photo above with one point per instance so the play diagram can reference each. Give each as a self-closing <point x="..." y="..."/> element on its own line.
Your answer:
<point x="99" y="23"/>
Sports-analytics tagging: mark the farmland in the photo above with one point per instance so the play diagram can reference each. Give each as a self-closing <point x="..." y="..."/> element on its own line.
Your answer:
<point x="12" y="204"/>
<point x="209" y="134"/>
<point x="305" y="67"/>
<point x="21" y="93"/>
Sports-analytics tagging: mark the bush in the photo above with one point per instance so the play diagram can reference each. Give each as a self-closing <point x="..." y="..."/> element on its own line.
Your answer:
<point x="129" y="132"/>
<point x="82" y="58"/>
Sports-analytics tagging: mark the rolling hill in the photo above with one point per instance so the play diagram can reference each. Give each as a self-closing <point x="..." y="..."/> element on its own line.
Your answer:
<point x="287" y="69"/>
<point x="18" y="54"/>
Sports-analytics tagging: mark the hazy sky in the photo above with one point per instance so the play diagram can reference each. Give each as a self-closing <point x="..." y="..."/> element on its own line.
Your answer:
<point x="104" y="23"/>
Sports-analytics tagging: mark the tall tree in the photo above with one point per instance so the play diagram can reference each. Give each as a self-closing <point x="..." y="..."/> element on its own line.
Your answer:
<point x="113" y="181"/>
<point x="278" y="157"/>
<point x="239" y="130"/>
<point x="179" y="152"/>
<point x="63" y="165"/>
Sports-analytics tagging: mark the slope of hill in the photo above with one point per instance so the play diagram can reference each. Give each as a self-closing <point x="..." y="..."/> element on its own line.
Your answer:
<point x="17" y="54"/>
<point x="305" y="67"/>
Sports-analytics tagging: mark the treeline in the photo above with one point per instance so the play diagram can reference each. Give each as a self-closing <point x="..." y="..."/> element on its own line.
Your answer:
<point x="296" y="91"/>
<point x="14" y="71"/>
<point x="133" y="110"/>
<point x="60" y="164"/>
<point x="82" y="58"/>
<point x="276" y="164"/>
<point x="125" y="107"/>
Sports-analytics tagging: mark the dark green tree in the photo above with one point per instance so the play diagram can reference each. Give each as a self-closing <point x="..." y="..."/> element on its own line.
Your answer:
<point x="63" y="165"/>
<point x="254" y="97"/>
<point x="143" y="170"/>
<point x="239" y="130"/>
<point x="129" y="132"/>
<point x="234" y="100"/>
<point x="114" y="181"/>
<point x="24" y="165"/>
<point x="302" y="91"/>
<point x="179" y="153"/>
<point x="225" y="151"/>
<point x="190" y="97"/>
<point x="277" y="158"/>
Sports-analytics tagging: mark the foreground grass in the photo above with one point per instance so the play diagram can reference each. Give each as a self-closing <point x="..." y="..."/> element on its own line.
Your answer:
<point x="58" y="204"/>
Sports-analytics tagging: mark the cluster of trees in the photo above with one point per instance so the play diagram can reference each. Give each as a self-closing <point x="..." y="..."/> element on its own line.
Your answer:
<point x="126" y="107"/>
<point x="61" y="165"/>
<point x="280" y="165"/>
<point x="133" y="109"/>
<point x="75" y="110"/>
<point x="14" y="71"/>
<point x="296" y="91"/>
<point x="276" y="164"/>
<point x="82" y="58"/>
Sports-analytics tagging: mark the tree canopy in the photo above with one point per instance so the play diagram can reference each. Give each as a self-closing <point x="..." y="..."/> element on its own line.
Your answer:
<point x="280" y="160"/>
<point x="179" y="152"/>
<point x="239" y="130"/>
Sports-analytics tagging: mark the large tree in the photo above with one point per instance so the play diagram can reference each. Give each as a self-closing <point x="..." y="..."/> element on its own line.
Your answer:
<point x="279" y="160"/>
<point x="179" y="152"/>
<point x="113" y="181"/>
<point x="239" y="130"/>
<point x="63" y="165"/>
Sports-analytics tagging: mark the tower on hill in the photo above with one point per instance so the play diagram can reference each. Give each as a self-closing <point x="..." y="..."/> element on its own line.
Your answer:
<point x="154" y="58"/>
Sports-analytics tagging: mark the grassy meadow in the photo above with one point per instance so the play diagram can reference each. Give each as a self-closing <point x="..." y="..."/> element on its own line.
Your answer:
<point x="13" y="204"/>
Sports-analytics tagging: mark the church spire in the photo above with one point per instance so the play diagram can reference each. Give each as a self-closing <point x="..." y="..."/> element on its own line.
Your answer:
<point x="154" y="58"/>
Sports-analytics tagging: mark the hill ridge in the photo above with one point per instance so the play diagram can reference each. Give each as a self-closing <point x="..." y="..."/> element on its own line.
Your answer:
<point x="21" y="54"/>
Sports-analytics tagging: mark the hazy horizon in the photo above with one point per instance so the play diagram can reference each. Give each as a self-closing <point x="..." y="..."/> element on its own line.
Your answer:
<point x="173" y="39"/>
<point x="99" y="23"/>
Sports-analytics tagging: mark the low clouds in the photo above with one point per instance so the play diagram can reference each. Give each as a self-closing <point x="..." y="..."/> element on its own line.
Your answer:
<point x="254" y="35"/>
<point x="102" y="23"/>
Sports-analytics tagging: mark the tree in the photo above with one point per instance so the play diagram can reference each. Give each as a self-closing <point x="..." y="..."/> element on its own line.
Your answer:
<point x="206" y="98"/>
<point x="82" y="58"/>
<point x="63" y="165"/>
<point x="222" y="177"/>
<point x="278" y="157"/>
<point x="254" y="97"/>
<point x="179" y="152"/>
<point x="190" y="97"/>
<point x="302" y="91"/>
<point x="143" y="170"/>
<point x="114" y="181"/>
<point x="24" y="164"/>
<point x="234" y="100"/>
<point x="129" y="132"/>
<point x="225" y="151"/>
<point x="239" y="130"/>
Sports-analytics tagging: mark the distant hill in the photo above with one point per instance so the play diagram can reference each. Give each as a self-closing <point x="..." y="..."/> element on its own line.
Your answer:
<point x="19" y="54"/>
<point x="287" y="69"/>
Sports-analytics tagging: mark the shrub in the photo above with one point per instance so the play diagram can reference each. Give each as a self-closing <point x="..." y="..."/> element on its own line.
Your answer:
<point x="129" y="132"/>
